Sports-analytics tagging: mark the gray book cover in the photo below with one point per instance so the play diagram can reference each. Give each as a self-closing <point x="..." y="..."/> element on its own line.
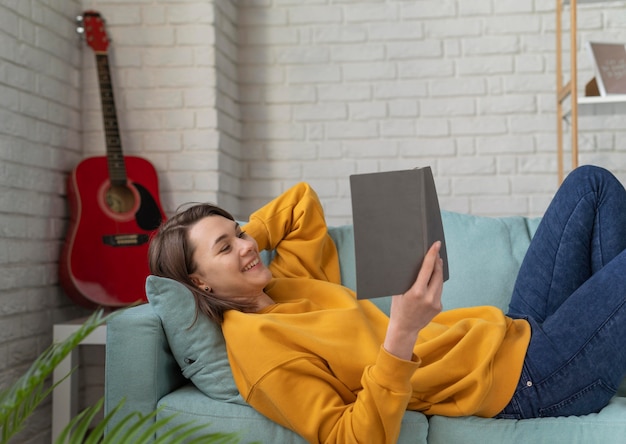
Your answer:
<point x="396" y="219"/>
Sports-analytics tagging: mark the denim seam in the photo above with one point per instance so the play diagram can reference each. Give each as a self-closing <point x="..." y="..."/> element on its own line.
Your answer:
<point x="582" y="348"/>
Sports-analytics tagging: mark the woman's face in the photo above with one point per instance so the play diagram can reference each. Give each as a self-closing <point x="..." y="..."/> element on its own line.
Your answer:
<point x="227" y="260"/>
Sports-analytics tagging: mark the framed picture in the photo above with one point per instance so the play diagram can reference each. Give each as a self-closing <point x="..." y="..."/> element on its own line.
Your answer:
<point x="609" y="60"/>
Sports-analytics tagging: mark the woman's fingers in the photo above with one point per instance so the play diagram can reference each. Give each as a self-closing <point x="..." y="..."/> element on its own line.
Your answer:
<point x="413" y="310"/>
<point x="429" y="265"/>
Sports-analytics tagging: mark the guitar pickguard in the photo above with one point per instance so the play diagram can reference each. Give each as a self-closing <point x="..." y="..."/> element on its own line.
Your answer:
<point x="148" y="215"/>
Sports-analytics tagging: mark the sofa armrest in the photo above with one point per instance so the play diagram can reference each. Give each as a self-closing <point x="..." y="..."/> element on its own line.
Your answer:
<point x="139" y="365"/>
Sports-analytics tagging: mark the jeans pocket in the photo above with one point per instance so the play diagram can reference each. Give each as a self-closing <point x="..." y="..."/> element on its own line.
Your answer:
<point x="590" y="399"/>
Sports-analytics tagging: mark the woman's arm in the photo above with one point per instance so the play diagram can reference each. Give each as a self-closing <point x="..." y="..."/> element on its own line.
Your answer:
<point x="306" y="397"/>
<point x="413" y="310"/>
<point x="294" y="225"/>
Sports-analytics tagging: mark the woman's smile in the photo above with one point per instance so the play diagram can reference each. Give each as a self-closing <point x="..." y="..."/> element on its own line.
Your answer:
<point x="251" y="265"/>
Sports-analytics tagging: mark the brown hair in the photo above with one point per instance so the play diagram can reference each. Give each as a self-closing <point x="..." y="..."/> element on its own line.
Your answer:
<point x="170" y="255"/>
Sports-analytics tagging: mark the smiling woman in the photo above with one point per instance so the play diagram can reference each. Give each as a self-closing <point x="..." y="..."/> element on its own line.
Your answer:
<point x="292" y="327"/>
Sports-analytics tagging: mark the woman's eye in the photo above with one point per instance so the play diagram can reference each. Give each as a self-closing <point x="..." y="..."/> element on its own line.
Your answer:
<point x="241" y="235"/>
<point x="225" y="248"/>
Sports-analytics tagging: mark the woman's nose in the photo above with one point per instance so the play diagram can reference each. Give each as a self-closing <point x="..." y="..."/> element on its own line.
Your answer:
<point x="246" y="246"/>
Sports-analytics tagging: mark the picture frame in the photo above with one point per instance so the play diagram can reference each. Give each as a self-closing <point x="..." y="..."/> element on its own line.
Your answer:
<point x="609" y="62"/>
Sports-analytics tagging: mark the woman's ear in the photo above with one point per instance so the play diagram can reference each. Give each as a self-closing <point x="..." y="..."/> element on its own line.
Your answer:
<point x="199" y="283"/>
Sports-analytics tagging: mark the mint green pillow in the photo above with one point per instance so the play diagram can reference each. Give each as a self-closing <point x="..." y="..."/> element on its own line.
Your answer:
<point x="199" y="348"/>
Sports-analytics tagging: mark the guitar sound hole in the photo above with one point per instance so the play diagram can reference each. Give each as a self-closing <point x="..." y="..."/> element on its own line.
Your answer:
<point x="120" y="199"/>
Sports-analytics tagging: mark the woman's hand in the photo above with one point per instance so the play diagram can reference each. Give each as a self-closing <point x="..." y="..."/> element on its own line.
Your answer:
<point x="413" y="310"/>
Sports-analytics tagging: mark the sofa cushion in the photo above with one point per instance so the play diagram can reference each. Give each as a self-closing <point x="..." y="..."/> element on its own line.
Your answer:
<point x="606" y="427"/>
<point x="188" y="404"/>
<point x="198" y="347"/>
<point x="484" y="256"/>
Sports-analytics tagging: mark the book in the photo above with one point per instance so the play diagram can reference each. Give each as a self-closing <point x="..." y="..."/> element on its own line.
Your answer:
<point x="609" y="62"/>
<point x="396" y="219"/>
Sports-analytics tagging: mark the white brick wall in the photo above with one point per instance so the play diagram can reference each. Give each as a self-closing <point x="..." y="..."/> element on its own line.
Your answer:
<point x="39" y="143"/>
<point x="229" y="166"/>
<point x="467" y="87"/>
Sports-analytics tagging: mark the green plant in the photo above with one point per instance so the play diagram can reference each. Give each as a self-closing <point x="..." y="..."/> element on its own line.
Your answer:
<point x="20" y="400"/>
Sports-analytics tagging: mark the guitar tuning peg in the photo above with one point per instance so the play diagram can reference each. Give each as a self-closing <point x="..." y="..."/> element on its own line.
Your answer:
<point x="80" y="25"/>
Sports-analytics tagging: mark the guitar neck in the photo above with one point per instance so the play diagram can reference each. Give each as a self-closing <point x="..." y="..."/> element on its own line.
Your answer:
<point x="115" y="157"/>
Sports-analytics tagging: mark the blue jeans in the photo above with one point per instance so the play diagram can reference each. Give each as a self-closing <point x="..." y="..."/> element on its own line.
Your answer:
<point x="571" y="288"/>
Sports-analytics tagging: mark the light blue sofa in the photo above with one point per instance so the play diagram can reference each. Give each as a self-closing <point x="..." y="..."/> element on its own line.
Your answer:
<point x="484" y="256"/>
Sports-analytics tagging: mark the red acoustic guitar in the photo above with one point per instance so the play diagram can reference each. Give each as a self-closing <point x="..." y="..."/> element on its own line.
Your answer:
<point x="114" y="207"/>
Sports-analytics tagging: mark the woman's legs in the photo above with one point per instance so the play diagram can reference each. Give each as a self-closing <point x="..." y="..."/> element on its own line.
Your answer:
<point x="572" y="288"/>
<point x="582" y="230"/>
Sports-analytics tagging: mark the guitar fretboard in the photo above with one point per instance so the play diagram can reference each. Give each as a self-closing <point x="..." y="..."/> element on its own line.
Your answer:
<point x="115" y="157"/>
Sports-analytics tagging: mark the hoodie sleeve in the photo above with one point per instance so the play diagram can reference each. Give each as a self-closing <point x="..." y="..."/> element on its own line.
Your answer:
<point x="304" y="396"/>
<point x="293" y="225"/>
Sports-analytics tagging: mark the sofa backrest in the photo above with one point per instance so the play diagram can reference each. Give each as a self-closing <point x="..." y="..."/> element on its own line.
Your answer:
<point x="484" y="256"/>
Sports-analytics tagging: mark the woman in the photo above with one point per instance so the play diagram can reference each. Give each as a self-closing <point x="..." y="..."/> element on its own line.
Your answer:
<point x="310" y="356"/>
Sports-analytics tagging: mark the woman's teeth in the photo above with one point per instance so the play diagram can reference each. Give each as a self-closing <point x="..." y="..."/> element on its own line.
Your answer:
<point x="251" y="264"/>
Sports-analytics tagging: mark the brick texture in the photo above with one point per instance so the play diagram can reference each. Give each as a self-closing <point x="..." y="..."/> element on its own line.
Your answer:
<point x="40" y="124"/>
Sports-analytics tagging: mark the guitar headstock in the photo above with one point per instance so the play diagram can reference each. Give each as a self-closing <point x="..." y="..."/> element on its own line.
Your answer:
<point x="91" y="25"/>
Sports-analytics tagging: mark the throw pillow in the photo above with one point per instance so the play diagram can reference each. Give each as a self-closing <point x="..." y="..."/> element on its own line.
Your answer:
<point x="199" y="348"/>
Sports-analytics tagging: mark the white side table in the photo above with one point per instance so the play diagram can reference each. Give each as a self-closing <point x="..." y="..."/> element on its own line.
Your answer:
<point x="65" y="395"/>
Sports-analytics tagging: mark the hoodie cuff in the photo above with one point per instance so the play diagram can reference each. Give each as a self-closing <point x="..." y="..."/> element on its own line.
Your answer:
<point x="393" y="372"/>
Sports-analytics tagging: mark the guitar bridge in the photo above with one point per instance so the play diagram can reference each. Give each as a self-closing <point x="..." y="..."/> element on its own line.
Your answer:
<point x="124" y="240"/>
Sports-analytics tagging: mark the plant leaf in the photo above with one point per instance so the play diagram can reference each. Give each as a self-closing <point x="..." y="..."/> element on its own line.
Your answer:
<point x="24" y="396"/>
<point x="21" y="399"/>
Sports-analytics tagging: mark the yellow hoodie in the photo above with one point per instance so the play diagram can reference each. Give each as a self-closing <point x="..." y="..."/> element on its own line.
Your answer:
<point x="314" y="361"/>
